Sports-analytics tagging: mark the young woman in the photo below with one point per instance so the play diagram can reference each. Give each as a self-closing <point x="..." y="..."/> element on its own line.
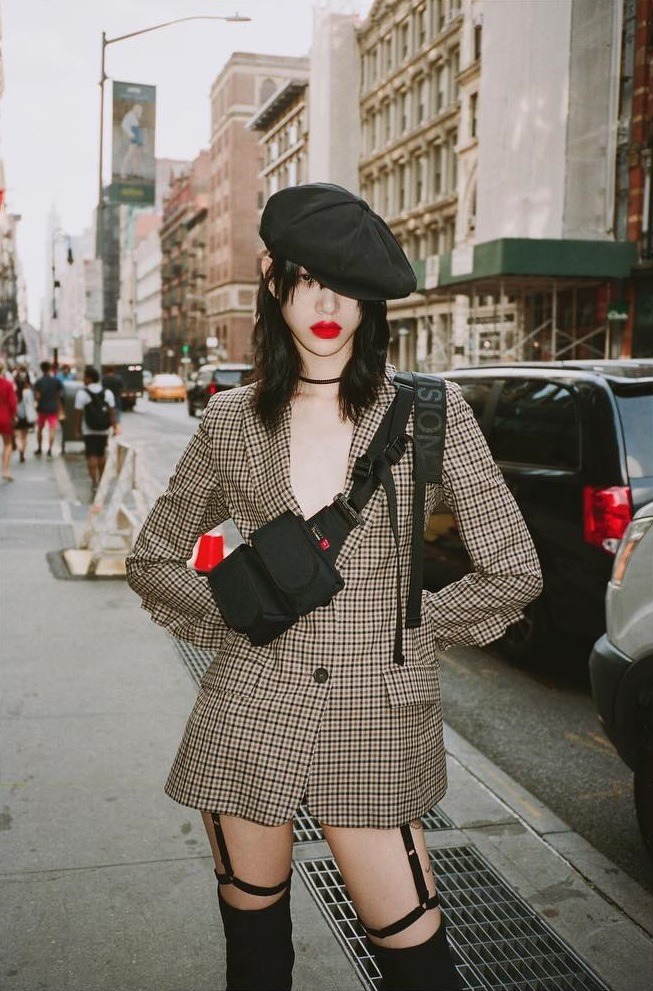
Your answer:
<point x="323" y="714"/>
<point x="26" y="414"/>
<point x="8" y="405"/>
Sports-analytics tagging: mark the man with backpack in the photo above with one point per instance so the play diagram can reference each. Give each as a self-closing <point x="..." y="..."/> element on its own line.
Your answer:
<point x="95" y="419"/>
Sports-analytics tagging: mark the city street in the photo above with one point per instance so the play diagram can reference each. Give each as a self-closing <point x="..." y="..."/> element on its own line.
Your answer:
<point x="539" y="726"/>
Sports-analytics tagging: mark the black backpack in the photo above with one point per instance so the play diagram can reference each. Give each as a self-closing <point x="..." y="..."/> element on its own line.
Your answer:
<point x="97" y="415"/>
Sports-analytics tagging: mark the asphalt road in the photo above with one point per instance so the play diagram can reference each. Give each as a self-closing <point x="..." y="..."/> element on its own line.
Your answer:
<point x="539" y="726"/>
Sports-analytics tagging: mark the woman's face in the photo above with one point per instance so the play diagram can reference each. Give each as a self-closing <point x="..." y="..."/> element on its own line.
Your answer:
<point x="322" y="322"/>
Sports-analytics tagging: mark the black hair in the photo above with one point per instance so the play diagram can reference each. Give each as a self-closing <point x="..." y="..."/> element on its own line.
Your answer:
<point x="91" y="372"/>
<point x="277" y="364"/>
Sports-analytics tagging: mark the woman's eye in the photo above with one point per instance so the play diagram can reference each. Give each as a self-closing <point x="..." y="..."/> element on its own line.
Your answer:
<point x="307" y="279"/>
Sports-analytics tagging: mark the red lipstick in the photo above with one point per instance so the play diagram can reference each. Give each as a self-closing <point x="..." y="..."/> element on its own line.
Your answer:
<point x="326" y="329"/>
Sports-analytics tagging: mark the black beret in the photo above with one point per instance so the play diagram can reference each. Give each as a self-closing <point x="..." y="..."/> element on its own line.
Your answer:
<point x="338" y="239"/>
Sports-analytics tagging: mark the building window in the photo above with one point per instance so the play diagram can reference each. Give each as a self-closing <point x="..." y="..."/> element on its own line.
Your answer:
<point x="454" y="69"/>
<point x="441" y="14"/>
<point x="404" y="40"/>
<point x="440" y="82"/>
<point x="292" y="134"/>
<point x="436" y="159"/>
<point x="420" y="179"/>
<point x="403" y="186"/>
<point x="422" y="100"/>
<point x="387" y="123"/>
<point x="387" y="53"/>
<point x="292" y="173"/>
<point x="422" y="22"/>
<point x="405" y="111"/>
<point x="478" y="37"/>
<point x="473" y="115"/>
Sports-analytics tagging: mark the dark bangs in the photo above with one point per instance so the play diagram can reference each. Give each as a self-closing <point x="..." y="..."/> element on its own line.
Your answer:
<point x="277" y="364"/>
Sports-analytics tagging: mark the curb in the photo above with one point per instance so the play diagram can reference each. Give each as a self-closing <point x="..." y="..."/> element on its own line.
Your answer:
<point x="607" y="880"/>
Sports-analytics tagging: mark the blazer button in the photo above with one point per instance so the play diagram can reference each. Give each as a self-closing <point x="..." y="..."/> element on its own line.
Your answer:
<point x="320" y="675"/>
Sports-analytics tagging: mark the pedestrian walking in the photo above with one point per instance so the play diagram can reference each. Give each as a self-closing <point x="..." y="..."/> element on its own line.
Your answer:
<point x="338" y="705"/>
<point x="8" y="406"/>
<point x="111" y="380"/>
<point x="26" y="413"/>
<point x="94" y="422"/>
<point x="48" y="391"/>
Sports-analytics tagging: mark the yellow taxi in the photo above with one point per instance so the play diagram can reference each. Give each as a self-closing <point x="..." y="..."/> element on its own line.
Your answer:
<point x="167" y="388"/>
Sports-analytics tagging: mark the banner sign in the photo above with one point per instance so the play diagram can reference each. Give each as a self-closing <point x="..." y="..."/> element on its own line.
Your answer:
<point x="133" y="167"/>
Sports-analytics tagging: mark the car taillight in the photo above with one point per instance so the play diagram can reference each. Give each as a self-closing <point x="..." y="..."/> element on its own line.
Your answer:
<point x="606" y="514"/>
<point x="634" y="533"/>
<point x="212" y="388"/>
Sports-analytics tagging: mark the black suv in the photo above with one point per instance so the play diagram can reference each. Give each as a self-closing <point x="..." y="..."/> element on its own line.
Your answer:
<point x="211" y="379"/>
<point x="574" y="442"/>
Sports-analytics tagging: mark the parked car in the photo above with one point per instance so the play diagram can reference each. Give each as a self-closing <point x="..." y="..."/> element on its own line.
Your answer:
<point x="621" y="663"/>
<point x="573" y="440"/>
<point x="211" y="379"/>
<point x="167" y="388"/>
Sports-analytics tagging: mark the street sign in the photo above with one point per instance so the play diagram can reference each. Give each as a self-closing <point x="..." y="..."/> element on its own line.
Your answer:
<point x="617" y="310"/>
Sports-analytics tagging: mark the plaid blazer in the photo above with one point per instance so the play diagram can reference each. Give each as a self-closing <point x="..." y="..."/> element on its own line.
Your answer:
<point x="322" y="714"/>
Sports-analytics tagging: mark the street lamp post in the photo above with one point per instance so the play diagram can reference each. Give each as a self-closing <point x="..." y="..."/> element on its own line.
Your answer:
<point x="98" y="328"/>
<point x="56" y="284"/>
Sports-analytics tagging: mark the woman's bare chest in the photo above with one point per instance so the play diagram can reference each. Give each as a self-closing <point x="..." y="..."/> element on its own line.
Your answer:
<point x="319" y="455"/>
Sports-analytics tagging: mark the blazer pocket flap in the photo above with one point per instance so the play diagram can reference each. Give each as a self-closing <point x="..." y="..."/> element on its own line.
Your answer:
<point x="412" y="685"/>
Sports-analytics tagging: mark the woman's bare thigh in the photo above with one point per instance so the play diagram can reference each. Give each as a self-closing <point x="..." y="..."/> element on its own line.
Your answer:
<point x="259" y="855"/>
<point x="374" y="866"/>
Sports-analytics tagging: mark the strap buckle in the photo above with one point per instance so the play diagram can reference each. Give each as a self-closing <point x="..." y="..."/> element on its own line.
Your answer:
<point x="362" y="468"/>
<point x="352" y="516"/>
<point x="394" y="452"/>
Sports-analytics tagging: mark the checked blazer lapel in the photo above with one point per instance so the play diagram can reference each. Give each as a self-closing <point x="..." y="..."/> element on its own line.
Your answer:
<point x="268" y="455"/>
<point x="363" y="433"/>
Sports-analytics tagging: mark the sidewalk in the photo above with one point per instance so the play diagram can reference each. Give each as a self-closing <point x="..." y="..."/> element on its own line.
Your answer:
<point x="108" y="886"/>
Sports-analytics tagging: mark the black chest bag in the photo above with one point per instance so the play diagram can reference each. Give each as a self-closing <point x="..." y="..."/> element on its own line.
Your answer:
<point x="289" y="567"/>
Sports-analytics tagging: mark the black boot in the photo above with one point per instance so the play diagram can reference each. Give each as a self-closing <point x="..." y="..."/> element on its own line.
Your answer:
<point x="260" y="953"/>
<point x="427" y="967"/>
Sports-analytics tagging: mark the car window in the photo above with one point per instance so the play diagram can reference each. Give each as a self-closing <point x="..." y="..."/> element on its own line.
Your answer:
<point x="476" y="392"/>
<point x="204" y="376"/>
<point x="228" y="376"/>
<point x="536" y="423"/>
<point x="637" y="420"/>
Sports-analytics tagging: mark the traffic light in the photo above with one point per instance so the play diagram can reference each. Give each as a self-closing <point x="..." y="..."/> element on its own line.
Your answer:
<point x="185" y="348"/>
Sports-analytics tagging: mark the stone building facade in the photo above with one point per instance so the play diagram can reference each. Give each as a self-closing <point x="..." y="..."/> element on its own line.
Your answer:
<point x="420" y="64"/>
<point x="282" y="127"/>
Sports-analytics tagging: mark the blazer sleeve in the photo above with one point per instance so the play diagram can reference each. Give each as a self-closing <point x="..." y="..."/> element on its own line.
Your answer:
<point x="478" y="608"/>
<point x="175" y="596"/>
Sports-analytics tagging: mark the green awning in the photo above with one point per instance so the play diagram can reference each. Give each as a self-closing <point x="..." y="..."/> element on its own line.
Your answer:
<point x="525" y="265"/>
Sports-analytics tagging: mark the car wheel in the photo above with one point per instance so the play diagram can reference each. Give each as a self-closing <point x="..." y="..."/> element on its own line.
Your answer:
<point x="523" y="641"/>
<point x="644" y="793"/>
<point x="191" y="410"/>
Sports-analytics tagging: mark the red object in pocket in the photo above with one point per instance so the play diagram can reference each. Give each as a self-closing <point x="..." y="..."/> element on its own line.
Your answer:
<point x="209" y="552"/>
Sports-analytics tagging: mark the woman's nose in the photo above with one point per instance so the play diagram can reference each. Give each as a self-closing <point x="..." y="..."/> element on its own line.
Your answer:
<point x="328" y="301"/>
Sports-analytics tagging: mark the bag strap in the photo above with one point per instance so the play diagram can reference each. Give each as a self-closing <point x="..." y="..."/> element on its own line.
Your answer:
<point x="429" y="430"/>
<point x="332" y="524"/>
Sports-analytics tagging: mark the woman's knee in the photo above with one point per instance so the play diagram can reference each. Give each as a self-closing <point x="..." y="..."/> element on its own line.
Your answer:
<point x="389" y="878"/>
<point x="252" y="861"/>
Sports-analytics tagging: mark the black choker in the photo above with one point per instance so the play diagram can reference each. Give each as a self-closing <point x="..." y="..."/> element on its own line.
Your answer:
<point x="319" y="381"/>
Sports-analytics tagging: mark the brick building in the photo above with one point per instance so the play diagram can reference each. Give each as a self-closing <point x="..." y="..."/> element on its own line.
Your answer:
<point x="184" y="266"/>
<point x="246" y="83"/>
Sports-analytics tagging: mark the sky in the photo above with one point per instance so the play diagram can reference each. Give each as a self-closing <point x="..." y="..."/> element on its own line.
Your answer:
<point x="49" y="114"/>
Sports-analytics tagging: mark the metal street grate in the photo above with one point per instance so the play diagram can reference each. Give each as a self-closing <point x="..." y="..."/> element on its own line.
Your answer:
<point x="498" y="941"/>
<point x="196" y="659"/>
<point x="306" y="829"/>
